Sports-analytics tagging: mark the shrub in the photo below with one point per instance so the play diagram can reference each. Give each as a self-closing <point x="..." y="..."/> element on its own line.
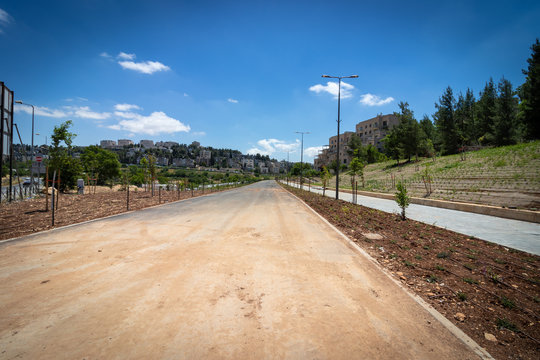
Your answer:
<point x="402" y="198"/>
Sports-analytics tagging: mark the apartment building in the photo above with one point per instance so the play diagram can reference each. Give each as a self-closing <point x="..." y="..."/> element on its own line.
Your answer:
<point x="124" y="142"/>
<point x="107" y="144"/>
<point x="147" y="143"/>
<point x="370" y="132"/>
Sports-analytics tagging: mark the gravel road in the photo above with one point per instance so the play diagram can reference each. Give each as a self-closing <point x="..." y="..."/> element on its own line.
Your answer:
<point x="249" y="273"/>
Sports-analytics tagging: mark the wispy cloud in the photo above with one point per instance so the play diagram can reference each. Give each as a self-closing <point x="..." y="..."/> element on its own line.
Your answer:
<point x="232" y="101"/>
<point x="374" y="100"/>
<point x="333" y="89"/>
<point x="144" y="67"/>
<point x="41" y="111"/>
<point x="105" y="55"/>
<point x="312" y="151"/>
<point x="5" y="19"/>
<point x="270" y="146"/>
<point x="199" y="133"/>
<point x="126" y="107"/>
<point x="156" y="123"/>
<point x="125" y="56"/>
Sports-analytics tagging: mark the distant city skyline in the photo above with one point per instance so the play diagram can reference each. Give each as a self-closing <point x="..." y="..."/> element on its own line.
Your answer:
<point x="246" y="75"/>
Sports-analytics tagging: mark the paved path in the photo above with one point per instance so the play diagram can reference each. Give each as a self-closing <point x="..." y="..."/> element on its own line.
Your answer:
<point x="249" y="273"/>
<point x="516" y="234"/>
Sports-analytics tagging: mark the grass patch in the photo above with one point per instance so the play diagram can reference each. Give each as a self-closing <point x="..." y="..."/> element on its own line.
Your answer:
<point x="506" y="324"/>
<point x="461" y="296"/>
<point x="443" y="255"/>
<point x="470" y="280"/>
<point x="507" y="303"/>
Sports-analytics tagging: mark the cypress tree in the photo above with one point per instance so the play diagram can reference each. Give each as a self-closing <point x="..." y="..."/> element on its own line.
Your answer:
<point x="529" y="94"/>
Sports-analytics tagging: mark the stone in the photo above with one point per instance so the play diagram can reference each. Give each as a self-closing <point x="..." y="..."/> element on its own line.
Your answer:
<point x="372" y="236"/>
<point x="460" y="317"/>
<point x="490" y="337"/>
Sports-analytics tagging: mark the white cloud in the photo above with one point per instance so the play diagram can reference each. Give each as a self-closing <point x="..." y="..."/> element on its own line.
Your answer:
<point x="333" y="88"/>
<point x="41" y="111"/>
<point x="85" y="113"/>
<point x="126" y="107"/>
<point x="199" y="133"/>
<point x="270" y="146"/>
<point x="105" y="55"/>
<point x="156" y="123"/>
<point x="145" y="67"/>
<point x="186" y="94"/>
<point x="232" y="101"/>
<point x="374" y="100"/>
<point x="312" y="151"/>
<point x="125" y="56"/>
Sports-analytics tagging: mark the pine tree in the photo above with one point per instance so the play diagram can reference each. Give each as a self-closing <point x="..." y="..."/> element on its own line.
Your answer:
<point x="529" y="94"/>
<point x="504" y="124"/>
<point x="445" y="122"/>
<point x="485" y="112"/>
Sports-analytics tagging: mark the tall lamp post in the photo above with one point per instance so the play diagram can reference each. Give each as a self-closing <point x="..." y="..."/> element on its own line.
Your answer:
<point x="31" y="172"/>
<point x="338" y="121"/>
<point x="302" y="156"/>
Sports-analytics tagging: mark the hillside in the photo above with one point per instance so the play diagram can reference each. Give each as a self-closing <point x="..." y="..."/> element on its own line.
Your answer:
<point x="507" y="176"/>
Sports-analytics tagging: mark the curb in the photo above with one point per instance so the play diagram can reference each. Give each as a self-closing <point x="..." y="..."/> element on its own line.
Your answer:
<point x="457" y="332"/>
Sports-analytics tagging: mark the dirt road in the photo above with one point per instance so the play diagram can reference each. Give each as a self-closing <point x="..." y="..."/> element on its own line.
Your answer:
<point x="247" y="274"/>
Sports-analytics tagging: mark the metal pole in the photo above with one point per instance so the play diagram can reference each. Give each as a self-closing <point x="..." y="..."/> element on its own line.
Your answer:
<point x="52" y="197"/>
<point x="337" y="152"/>
<point x="32" y="152"/>
<point x="302" y="162"/>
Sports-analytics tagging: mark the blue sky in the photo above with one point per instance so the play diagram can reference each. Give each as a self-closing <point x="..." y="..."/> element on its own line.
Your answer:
<point x="247" y="74"/>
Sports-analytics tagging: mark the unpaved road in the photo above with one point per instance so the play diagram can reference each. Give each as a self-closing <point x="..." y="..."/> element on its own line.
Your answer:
<point x="248" y="274"/>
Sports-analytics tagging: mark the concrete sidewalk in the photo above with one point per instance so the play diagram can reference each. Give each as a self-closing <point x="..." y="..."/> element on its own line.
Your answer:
<point x="515" y="234"/>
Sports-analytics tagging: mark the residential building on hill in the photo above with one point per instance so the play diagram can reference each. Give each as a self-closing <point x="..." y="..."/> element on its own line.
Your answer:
<point x="370" y="132"/>
<point x="107" y="143"/>
<point x="124" y="142"/>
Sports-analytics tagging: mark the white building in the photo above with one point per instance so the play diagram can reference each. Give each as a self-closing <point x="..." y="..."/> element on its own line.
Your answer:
<point x="107" y="143"/>
<point x="147" y="143"/>
<point x="124" y="142"/>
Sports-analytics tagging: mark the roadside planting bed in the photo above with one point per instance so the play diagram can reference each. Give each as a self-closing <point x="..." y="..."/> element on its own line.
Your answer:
<point x="490" y="292"/>
<point x="26" y="217"/>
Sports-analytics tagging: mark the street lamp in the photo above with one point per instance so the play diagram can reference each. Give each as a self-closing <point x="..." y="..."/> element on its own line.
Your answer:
<point x="31" y="172"/>
<point x="302" y="156"/>
<point x="338" y="121"/>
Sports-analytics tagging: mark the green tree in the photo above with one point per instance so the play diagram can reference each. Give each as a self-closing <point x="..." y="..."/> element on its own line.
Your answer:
<point x="325" y="178"/>
<point x="101" y="162"/>
<point x="152" y="170"/>
<point x="485" y="113"/>
<point x="402" y="199"/>
<point x="464" y="117"/>
<point x="60" y="159"/>
<point x="392" y="144"/>
<point x="445" y="122"/>
<point x="356" y="168"/>
<point x="427" y="128"/>
<point x="529" y="93"/>
<point x="504" y="122"/>
<point x="408" y="130"/>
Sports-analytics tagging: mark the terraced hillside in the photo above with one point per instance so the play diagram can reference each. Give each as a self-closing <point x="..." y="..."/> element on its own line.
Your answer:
<point x="507" y="176"/>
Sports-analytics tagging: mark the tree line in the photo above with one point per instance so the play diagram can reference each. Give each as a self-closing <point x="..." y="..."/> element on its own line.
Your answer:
<point x="501" y="115"/>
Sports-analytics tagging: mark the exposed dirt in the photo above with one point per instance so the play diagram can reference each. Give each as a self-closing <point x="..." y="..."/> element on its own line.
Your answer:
<point x="490" y="292"/>
<point x="25" y="217"/>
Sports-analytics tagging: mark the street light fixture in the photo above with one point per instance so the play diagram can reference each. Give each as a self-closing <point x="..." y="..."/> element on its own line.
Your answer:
<point x="338" y="121"/>
<point x="33" y="152"/>
<point x="302" y="156"/>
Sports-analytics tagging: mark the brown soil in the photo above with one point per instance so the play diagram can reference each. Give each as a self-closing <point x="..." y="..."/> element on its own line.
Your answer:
<point x="483" y="288"/>
<point x="26" y="217"/>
